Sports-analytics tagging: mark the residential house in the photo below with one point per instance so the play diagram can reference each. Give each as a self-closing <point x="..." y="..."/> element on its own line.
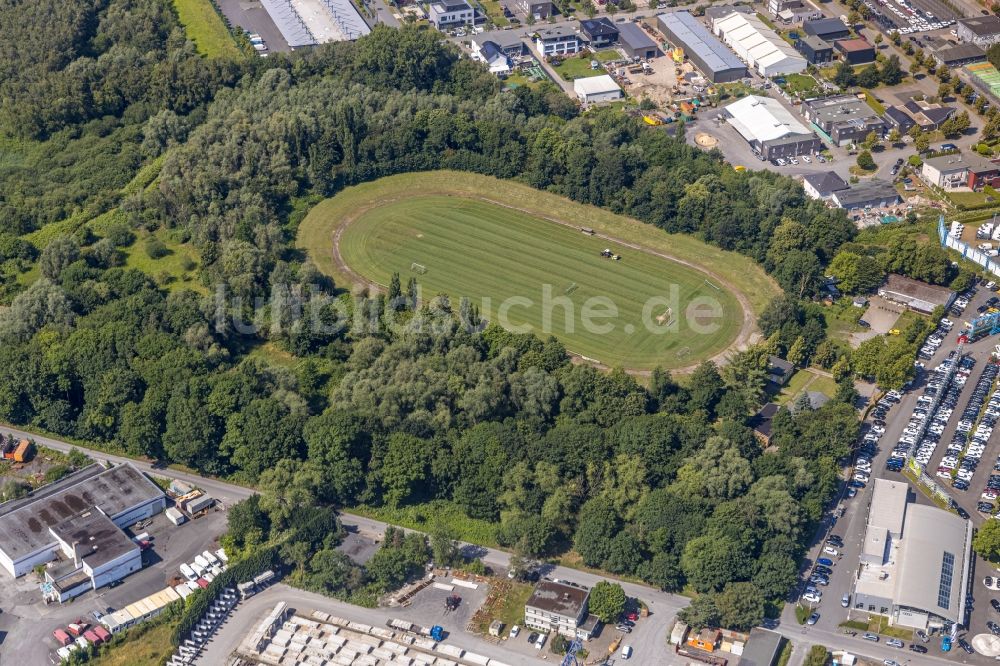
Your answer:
<point x="451" y="13"/>
<point x="560" y="607"/>
<point x="821" y="186"/>
<point x="508" y="42"/>
<point x="540" y="9"/>
<point x="779" y="370"/>
<point x="898" y="118"/>
<point x="761" y="422"/>
<point x="558" y="40"/>
<point x="489" y="52"/>
<point x="601" y="32"/>
<point x="815" y="49"/>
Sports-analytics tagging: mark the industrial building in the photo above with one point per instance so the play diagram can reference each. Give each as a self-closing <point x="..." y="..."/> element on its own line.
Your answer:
<point x="868" y="194"/>
<point x="596" y="89"/>
<point x="560" y="607"/>
<point x="141" y="610"/>
<point x="958" y="56"/>
<point x="770" y="129"/>
<point x="914" y="567"/>
<point x="80" y="517"/>
<point x="708" y="54"/>
<point x="845" y="119"/>
<point x="309" y="22"/>
<point x="916" y="295"/>
<point x="634" y="41"/>
<point x="983" y="31"/>
<point x="816" y="50"/>
<point x="826" y="28"/>
<point x="855" y="51"/>
<point x="758" y="46"/>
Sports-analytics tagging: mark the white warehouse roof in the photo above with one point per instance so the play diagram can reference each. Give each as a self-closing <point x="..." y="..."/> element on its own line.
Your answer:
<point x="763" y="119"/>
<point x="759" y="46"/>
<point x="595" y="85"/>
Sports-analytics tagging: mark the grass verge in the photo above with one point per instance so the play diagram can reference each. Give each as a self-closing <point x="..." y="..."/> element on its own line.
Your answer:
<point x="205" y="28"/>
<point x="139" y="648"/>
<point x="421" y="518"/>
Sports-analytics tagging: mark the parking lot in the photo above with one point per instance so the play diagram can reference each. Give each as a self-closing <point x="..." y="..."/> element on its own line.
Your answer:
<point x="885" y="433"/>
<point x="26" y="624"/>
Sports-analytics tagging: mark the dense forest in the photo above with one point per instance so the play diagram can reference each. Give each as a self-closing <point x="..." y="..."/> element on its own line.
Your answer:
<point x="665" y="482"/>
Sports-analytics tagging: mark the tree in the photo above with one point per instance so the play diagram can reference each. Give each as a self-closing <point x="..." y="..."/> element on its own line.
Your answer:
<point x="444" y="545"/>
<point x="607" y="601"/>
<point x="844" y="76"/>
<point x="817" y="656"/>
<point x="711" y="561"/>
<point x="868" y="77"/>
<point x="701" y="613"/>
<point x="865" y="161"/>
<point x="895" y="136"/>
<point x="891" y="73"/>
<point x="986" y="543"/>
<point x="57" y="255"/>
<point x="921" y="142"/>
<point x="741" y="606"/>
<point x="597" y="524"/>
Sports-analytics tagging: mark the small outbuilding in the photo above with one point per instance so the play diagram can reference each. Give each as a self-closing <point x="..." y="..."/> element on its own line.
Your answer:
<point x="915" y="294"/>
<point x="597" y="89"/>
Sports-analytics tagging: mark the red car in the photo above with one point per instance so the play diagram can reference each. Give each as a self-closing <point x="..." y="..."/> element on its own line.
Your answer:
<point x="632" y="616"/>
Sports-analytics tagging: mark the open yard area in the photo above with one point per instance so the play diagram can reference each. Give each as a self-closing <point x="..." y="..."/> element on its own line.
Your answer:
<point x="519" y="258"/>
<point x="139" y="648"/>
<point x="578" y="68"/>
<point x="806" y="380"/>
<point x="173" y="264"/>
<point x="205" y="28"/>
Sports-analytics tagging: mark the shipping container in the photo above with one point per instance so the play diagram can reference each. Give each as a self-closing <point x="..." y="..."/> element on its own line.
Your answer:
<point x="175" y="516"/>
<point x="102" y="633"/>
<point x="62" y="637"/>
<point x="92" y="636"/>
<point x="25" y="451"/>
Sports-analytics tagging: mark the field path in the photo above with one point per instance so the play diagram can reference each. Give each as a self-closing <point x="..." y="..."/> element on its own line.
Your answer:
<point x="747" y="335"/>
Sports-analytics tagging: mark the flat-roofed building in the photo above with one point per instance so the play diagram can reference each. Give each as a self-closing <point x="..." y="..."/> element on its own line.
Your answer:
<point x="958" y="56"/>
<point x="450" y="13"/>
<point x="121" y="493"/>
<point x="560" y="607"/>
<point x="595" y="89"/>
<point x="815" y="49"/>
<point x="558" y="40"/>
<point x="844" y="118"/>
<point x="770" y="129"/>
<point x="869" y="194"/>
<point x="983" y="31"/>
<point x="915" y="559"/>
<point x="855" y="51"/>
<point x="712" y="58"/>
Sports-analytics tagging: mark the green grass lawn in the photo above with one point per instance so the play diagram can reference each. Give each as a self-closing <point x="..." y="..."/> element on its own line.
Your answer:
<point x="506" y="262"/>
<point x="800" y="82"/>
<point x="176" y="270"/>
<point x="970" y="198"/>
<point x="206" y="29"/>
<point x="316" y="230"/>
<point x="806" y="380"/>
<point x="608" y="55"/>
<point x="574" y="68"/>
<point x="495" y="12"/>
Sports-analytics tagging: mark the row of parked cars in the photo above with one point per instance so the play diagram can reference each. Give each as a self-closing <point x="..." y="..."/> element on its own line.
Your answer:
<point x="935" y="339"/>
<point x="967" y="447"/>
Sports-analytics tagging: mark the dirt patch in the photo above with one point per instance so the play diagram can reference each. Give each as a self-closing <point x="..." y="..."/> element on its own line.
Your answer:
<point x="706" y="141"/>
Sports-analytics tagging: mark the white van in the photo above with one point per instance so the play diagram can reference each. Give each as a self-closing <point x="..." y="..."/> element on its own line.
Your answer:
<point x="626" y="651"/>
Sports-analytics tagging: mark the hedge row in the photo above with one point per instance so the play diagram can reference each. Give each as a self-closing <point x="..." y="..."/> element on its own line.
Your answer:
<point x="240" y="572"/>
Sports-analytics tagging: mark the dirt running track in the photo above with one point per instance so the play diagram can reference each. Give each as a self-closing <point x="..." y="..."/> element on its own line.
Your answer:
<point x="747" y="335"/>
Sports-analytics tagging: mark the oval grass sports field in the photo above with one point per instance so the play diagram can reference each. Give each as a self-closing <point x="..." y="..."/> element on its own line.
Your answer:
<point x="519" y="254"/>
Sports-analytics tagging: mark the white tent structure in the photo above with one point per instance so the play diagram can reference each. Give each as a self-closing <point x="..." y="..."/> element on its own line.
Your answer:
<point x="761" y="119"/>
<point x="757" y="45"/>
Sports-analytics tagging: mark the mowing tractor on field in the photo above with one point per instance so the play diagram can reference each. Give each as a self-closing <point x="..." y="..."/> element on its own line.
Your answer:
<point x="608" y="254"/>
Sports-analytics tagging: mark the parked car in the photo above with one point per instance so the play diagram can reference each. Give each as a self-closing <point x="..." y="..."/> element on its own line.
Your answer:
<point x="627" y="652"/>
<point x="812" y="619"/>
<point x="514" y="631"/>
<point x="919" y="649"/>
<point x="845" y="601"/>
<point x="895" y="642"/>
<point x="870" y="637"/>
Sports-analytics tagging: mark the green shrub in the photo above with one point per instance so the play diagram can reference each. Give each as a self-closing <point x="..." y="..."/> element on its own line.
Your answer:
<point x="155" y="249"/>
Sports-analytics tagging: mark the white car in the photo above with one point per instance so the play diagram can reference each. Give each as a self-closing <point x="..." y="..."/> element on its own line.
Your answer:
<point x="812" y="597"/>
<point x="830" y="550"/>
<point x="514" y="631"/>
